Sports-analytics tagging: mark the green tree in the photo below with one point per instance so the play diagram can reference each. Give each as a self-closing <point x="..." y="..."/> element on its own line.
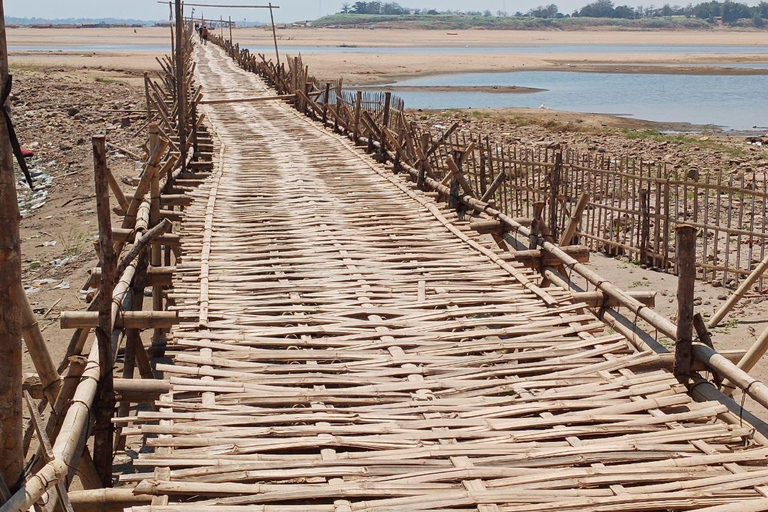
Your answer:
<point x="625" y="12"/>
<point x="544" y="11"/>
<point x="733" y="11"/>
<point x="598" y="9"/>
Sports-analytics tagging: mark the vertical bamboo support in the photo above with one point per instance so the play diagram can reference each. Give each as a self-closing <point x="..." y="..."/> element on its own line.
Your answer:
<point x="556" y="171"/>
<point x="326" y="98"/>
<point x="146" y="97"/>
<point x="385" y="124"/>
<point x="274" y="33"/>
<point x="295" y="83"/>
<point x="195" y="134"/>
<point x="645" y="224"/>
<point x="358" y="105"/>
<point x="104" y="430"/>
<point x="573" y="224"/>
<point x="133" y="337"/>
<point x="230" y="32"/>
<point x="11" y="421"/>
<point x="181" y="86"/>
<point x="686" y="268"/>
<point x="156" y="249"/>
<point x="482" y="179"/>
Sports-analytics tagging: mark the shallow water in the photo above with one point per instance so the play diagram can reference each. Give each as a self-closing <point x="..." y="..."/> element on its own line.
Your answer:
<point x="731" y="102"/>
<point x="533" y="48"/>
<point x="48" y="47"/>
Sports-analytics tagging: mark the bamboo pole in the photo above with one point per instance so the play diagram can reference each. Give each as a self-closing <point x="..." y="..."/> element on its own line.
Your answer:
<point x="358" y="104"/>
<point x="738" y="294"/>
<point x="146" y="97"/>
<point x="573" y="224"/>
<point x="274" y="34"/>
<point x="38" y="352"/>
<point x="11" y="418"/>
<point x="104" y="430"/>
<point x="750" y="359"/>
<point x="125" y="320"/>
<point x="101" y="500"/>
<point x="686" y="265"/>
<point x="249" y="100"/>
<point x="181" y="86"/>
<point x="156" y="249"/>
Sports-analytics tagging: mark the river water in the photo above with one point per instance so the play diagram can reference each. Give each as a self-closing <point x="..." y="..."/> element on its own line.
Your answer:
<point x="735" y="102"/>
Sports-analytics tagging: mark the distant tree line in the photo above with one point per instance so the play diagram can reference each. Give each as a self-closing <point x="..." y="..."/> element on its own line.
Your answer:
<point x="728" y="11"/>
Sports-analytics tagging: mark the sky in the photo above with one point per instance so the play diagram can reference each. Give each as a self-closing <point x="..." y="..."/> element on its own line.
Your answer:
<point x="290" y="10"/>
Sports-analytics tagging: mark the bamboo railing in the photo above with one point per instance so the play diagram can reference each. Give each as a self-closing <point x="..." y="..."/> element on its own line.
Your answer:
<point x="522" y="199"/>
<point x="634" y="206"/>
<point x="81" y="396"/>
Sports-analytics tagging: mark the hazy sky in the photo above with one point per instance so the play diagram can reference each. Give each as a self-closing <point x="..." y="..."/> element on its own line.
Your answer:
<point x="291" y="10"/>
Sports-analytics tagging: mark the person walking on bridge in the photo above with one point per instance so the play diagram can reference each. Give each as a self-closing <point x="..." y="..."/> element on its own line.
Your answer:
<point x="204" y="34"/>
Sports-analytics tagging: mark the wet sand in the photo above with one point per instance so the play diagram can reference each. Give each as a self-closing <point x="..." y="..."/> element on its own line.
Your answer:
<point x="461" y="88"/>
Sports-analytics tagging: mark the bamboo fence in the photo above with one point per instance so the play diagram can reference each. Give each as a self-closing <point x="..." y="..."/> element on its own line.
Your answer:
<point x="80" y="397"/>
<point x="634" y="206"/>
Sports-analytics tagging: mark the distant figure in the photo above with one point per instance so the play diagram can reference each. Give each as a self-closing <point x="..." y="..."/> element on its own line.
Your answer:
<point x="205" y="34"/>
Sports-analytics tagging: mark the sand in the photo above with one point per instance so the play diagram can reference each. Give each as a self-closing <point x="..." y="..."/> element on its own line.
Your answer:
<point x="364" y="69"/>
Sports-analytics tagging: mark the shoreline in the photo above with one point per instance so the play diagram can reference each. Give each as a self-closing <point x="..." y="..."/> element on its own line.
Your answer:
<point x="509" y="89"/>
<point x="591" y="122"/>
<point x="391" y="80"/>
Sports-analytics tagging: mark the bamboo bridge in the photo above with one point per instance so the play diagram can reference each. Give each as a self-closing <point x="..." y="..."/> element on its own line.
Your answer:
<point x="350" y="333"/>
<point x="346" y="343"/>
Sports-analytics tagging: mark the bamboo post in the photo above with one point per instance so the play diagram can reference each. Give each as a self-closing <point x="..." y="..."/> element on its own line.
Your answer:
<point x="645" y="227"/>
<point x="195" y="134"/>
<point x="385" y="124"/>
<point x="156" y="249"/>
<point x="358" y="105"/>
<point x="274" y="34"/>
<point x="306" y="99"/>
<point x="181" y="86"/>
<point x="326" y="99"/>
<point x="686" y="265"/>
<point x="104" y="430"/>
<point x="556" y="171"/>
<point x="575" y="220"/>
<point x="230" y="33"/>
<point x="738" y="294"/>
<point x="38" y="352"/>
<point x="133" y="336"/>
<point x="146" y="97"/>
<point x="11" y="418"/>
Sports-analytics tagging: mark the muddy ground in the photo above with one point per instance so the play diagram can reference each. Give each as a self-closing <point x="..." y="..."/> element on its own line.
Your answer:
<point x="56" y="113"/>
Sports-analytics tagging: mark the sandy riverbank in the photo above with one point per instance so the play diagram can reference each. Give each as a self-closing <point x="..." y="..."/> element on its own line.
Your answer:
<point x="143" y="45"/>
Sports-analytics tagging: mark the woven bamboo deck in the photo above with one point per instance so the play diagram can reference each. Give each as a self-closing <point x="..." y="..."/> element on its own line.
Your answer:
<point x="346" y="343"/>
